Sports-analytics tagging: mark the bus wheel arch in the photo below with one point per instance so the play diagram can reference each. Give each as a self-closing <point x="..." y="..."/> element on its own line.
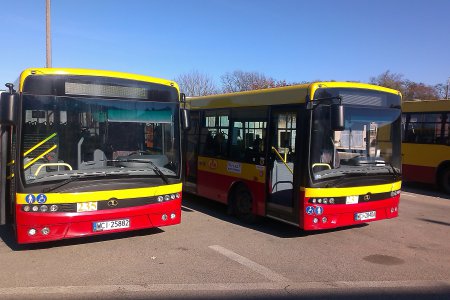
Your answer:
<point x="443" y="176"/>
<point x="241" y="203"/>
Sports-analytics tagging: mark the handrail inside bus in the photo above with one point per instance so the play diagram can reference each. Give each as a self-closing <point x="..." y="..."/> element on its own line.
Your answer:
<point x="52" y="164"/>
<point x="321" y="165"/>
<point x="284" y="161"/>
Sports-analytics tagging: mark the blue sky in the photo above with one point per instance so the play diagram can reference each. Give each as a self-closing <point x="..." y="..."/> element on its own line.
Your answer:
<point x="294" y="40"/>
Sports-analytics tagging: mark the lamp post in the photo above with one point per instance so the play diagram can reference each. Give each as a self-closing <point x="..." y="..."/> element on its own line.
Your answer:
<point x="448" y="83"/>
<point x="48" y="35"/>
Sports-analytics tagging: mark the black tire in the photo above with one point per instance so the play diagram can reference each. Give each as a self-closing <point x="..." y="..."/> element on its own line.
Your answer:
<point x="444" y="180"/>
<point x="243" y="204"/>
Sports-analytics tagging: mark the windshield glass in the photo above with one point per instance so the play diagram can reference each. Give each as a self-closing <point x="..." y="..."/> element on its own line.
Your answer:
<point x="64" y="137"/>
<point x="368" y="146"/>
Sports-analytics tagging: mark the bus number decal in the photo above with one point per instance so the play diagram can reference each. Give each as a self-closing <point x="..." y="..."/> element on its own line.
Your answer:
<point x="234" y="167"/>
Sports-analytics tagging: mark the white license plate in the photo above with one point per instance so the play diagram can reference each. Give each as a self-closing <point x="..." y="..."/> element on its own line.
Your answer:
<point x="111" y="225"/>
<point x="365" y="215"/>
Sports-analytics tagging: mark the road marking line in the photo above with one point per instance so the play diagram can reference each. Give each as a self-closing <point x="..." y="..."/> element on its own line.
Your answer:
<point x="266" y="272"/>
<point x="408" y="194"/>
<point x="171" y="287"/>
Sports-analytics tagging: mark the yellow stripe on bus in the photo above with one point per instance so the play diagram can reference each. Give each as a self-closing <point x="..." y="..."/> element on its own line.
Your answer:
<point x="57" y="198"/>
<point x="352" y="191"/>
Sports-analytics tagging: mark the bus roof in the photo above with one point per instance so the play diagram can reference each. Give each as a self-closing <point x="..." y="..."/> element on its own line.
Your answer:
<point x="426" y="106"/>
<point x="280" y="95"/>
<point x="89" y="72"/>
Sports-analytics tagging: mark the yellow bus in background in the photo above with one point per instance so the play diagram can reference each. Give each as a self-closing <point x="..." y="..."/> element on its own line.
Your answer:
<point x="426" y="142"/>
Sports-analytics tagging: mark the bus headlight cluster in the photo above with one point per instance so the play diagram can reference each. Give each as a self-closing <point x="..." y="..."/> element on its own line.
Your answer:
<point x="323" y="201"/>
<point x="169" y="197"/>
<point x="40" y="208"/>
<point x="395" y="193"/>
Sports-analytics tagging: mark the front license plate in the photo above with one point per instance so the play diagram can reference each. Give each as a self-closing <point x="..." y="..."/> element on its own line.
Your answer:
<point x="111" y="225"/>
<point x="365" y="215"/>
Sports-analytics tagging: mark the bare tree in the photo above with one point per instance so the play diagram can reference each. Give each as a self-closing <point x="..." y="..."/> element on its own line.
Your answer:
<point x="409" y="89"/>
<point x="239" y="81"/>
<point x="390" y="80"/>
<point x="195" y="83"/>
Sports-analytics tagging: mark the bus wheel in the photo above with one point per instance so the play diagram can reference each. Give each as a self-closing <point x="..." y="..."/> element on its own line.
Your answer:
<point x="444" y="181"/>
<point x="243" y="204"/>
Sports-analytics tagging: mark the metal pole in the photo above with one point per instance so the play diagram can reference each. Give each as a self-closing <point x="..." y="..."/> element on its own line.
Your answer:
<point x="48" y="35"/>
<point x="448" y="83"/>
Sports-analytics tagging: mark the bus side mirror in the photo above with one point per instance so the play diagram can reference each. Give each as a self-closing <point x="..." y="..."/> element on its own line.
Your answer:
<point x="337" y="117"/>
<point x="185" y="119"/>
<point x="8" y="108"/>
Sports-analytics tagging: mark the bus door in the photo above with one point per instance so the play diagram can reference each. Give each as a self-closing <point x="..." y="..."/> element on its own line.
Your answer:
<point x="281" y="203"/>
<point x="191" y="144"/>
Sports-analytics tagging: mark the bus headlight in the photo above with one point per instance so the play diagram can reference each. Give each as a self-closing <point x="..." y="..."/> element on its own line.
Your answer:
<point x="160" y="198"/>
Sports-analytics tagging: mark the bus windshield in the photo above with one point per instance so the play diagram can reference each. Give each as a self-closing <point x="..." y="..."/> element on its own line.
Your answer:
<point x="67" y="137"/>
<point x="369" y="145"/>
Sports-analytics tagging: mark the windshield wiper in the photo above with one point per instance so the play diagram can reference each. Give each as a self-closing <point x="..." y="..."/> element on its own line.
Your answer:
<point x="396" y="174"/>
<point x="60" y="184"/>
<point x="145" y="161"/>
<point x="78" y="177"/>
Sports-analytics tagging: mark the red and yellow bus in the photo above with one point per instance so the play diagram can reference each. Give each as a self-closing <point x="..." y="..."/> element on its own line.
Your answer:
<point x="87" y="152"/>
<point x="318" y="156"/>
<point x="426" y="142"/>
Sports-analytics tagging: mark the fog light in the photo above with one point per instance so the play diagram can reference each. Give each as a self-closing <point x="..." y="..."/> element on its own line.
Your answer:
<point x="392" y="210"/>
<point x="315" y="220"/>
<point x="26" y="208"/>
<point x="324" y="219"/>
<point x="172" y="216"/>
<point x="35" y="208"/>
<point x="32" y="231"/>
<point x="160" y="198"/>
<point x="44" y="208"/>
<point x="45" y="231"/>
<point x="395" y="208"/>
<point x="164" y="217"/>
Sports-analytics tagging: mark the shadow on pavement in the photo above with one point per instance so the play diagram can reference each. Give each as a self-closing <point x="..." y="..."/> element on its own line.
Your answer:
<point x="8" y="237"/>
<point x="424" y="189"/>
<point x="269" y="226"/>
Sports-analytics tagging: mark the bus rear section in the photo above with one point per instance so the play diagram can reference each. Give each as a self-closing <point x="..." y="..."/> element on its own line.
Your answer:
<point x="93" y="152"/>
<point x="280" y="153"/>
